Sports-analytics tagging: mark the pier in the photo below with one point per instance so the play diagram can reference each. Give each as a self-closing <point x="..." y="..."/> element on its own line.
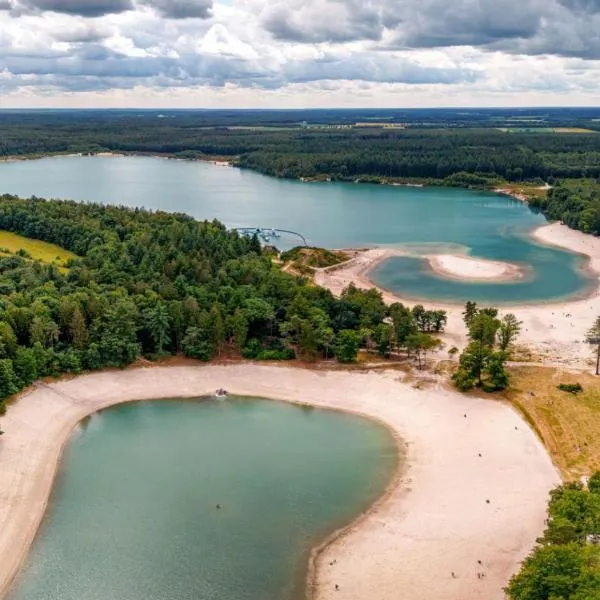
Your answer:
<point x="267" y="234"/>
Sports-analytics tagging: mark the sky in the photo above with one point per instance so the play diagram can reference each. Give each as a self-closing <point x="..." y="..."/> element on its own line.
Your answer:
<point x="299" y="53"/>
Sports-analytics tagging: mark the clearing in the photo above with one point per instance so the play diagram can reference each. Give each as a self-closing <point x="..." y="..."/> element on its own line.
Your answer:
<point x="11" y="243"/>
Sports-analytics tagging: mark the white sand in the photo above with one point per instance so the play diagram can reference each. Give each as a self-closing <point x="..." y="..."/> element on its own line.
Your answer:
<point x="554" y="331"/>
<point x="474" y="269"/>
<point x="434" y="520"/>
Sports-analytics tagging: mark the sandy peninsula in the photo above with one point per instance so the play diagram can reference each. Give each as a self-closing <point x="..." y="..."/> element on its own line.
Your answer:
<point x="554" y="331"/>
<point x="473" y="488"/>
<point x="468" y="268"/>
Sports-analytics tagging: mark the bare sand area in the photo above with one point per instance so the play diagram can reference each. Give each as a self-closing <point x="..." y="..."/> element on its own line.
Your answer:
<point x="554" y="331"/>
<point x="473" y="269"/>
<point x="473" y="488"/>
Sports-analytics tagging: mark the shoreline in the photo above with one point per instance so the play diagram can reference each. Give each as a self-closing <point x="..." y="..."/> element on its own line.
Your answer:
<point x="424" y="518"/>
<point x="555" y="330"/>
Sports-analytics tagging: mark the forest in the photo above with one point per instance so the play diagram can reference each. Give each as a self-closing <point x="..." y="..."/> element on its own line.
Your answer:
<point x="565" y="565"/>
<point x="574" y="202"/>
<point x="155" y="284"/>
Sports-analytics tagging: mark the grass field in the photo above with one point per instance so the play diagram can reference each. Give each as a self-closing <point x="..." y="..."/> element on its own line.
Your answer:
<point x="42" y="251"/>
<point x="568" y="424"/>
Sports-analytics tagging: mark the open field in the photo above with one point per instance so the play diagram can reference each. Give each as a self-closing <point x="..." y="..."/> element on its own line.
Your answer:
<point x="569" y="424"/>
<point x="38" y="250"/>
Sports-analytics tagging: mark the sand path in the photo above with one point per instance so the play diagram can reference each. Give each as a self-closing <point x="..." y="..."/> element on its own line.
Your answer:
<point x="555" y="331"/>
<point x="435" y="519"/>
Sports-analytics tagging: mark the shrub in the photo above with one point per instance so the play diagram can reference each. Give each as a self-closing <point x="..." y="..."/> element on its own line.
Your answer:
<point x="572" y="388"/>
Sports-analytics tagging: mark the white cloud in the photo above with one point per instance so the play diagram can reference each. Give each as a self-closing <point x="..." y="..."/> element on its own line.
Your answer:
<point x="299" y="52"/>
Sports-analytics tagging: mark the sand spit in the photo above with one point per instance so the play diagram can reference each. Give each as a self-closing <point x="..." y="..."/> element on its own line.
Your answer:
<point x="474" y="487"/>
<point x="554" y="331"/>
<point x="473" y="269"/>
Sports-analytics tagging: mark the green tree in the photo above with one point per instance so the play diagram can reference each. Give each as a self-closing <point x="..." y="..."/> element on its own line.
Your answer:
<point x="495" y="368"/>
<point x="197" y="343"/>
<point x="25" y="366"/>
<point x="44" y="331"/>
<point x="470" y="312"/>
<point x="8" y="340"/>
<point x="557" y="572"/>
<point x="308" y="341"/>
<point x="509" y="329"/>
<point x="9" y="384"/>
<point x="78" y="331"/>
<point x="158" y="322"/>
<point x="347" y="345"/>
<point x="594" y="483"/>
<point x="420" y="344"/>
<point x="239" y="328"/>
<point x="217" y="328"/>
<point x="382" y="337"/>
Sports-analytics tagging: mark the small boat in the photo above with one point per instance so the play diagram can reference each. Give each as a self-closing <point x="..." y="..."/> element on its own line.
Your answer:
<point x="221" y="393"/>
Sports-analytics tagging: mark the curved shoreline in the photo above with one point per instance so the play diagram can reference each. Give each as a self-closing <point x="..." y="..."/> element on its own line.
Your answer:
<point x="423" y="528"/>
<point x="554" y="330"/>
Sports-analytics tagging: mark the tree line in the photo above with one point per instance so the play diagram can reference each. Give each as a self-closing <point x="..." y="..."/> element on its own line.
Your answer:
<point x="156" y="284"/>
<point x="457" y="155"/>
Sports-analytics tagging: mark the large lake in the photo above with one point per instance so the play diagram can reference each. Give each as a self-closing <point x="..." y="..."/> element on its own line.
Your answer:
<point x="133" y="514"/>
<point x="331" y="215"/>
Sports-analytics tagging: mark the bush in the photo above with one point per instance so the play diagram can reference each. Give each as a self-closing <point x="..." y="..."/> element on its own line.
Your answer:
<point x="254" y="350"/>
<point x="572" y="388"/>
<point x="284" y="354"/>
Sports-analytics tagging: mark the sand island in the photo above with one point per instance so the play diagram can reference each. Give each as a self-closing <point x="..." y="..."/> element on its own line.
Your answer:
<point x="473" y="269"/>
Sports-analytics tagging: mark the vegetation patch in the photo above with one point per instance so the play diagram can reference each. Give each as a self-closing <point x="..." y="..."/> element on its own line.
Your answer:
<point x="565" y="564"/>
<point x="316" y="258"/>
<point x="12" y="243"/>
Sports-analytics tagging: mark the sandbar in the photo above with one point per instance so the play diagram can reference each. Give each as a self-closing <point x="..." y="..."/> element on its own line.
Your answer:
<point x="454" y="266"/>
<point x="472" y="488"/>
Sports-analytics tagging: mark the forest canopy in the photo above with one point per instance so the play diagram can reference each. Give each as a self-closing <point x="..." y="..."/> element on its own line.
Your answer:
<point x="153" y="284"/>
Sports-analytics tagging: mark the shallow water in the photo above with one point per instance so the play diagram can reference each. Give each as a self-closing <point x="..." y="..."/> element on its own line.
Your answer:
<point x="133" y="514"/>
<point x="331" y="215"/>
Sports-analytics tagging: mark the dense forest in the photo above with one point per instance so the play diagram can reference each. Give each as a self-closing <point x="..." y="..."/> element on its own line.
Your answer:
<point x="462" y="156"/>
<point x="565" y="565"/>
<point x="575" y="203"/>
<point x="154" y="284"/>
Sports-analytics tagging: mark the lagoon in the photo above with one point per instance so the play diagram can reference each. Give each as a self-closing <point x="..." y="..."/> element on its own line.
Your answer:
<point x="133" y="513"/>
<point x="332" y="215"/>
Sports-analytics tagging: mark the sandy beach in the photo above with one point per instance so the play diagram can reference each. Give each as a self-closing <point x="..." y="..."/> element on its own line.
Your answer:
<point x="434" y="520"/>
<point x="473" y="269"/>
<point x="554" y="331"/>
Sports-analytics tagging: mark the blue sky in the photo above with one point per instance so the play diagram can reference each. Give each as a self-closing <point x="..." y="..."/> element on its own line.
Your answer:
<point x="299" y="53"/>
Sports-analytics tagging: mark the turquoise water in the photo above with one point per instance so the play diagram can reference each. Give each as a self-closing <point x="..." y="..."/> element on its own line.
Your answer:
<point x="331" y="215"/>
<point x="133" y="514"/>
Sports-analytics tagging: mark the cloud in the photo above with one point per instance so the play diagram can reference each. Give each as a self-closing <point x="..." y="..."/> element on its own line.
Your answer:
<point x="315" y="21"/>
<point x="181" y="9"/>
<point x="84" y="8"/>
<point x="324" y="47"/>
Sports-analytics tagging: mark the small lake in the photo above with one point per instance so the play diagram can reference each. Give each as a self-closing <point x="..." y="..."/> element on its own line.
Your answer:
<point x="331" y="215"/>
<point x="134" y="515"/>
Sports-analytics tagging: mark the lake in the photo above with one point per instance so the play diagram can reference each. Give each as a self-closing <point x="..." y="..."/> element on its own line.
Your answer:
<point x="331" y="215"/>
<point x="133" y="515"/>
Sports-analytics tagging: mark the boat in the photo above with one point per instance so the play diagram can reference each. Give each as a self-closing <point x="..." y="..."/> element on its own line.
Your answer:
<point x="221" y="393"/>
